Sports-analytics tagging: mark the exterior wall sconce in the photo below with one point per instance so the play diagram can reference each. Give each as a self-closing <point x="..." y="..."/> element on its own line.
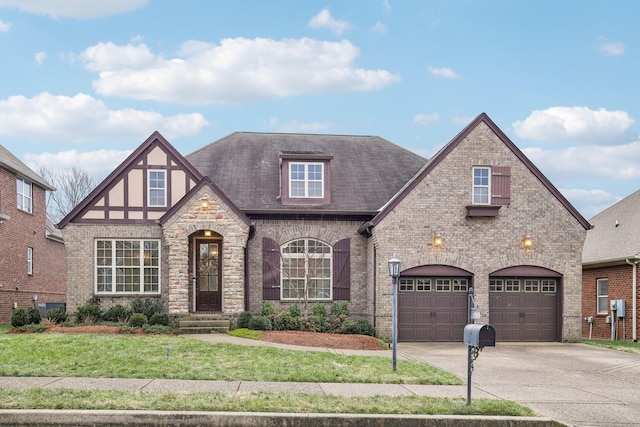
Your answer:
<point x="438" y="241"/>
<point x="527" y="242"/>
<point x="205" y="204"/>
<point x="207" y="233"/>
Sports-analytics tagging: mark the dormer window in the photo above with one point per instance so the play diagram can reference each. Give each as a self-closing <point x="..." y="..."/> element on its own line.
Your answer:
<point x="306" y="180"/>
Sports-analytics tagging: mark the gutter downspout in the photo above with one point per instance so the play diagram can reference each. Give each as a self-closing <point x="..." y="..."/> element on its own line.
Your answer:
<point x="634" y="296"/>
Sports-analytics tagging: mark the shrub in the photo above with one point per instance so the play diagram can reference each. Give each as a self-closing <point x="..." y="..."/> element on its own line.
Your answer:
<point x="117" y="313"/>
<point x="340" y="308"/>
<point x="90" y="313"/>
<point x="333" y="323"/>
<point x="284" y="321"/>
<point x="319" y="310"/>
<point x="260" y="323"/>
<point x="160" y="319"/>
<point x="34" y="315"/>
<point x="147" y="306"/>
<point x="244" y="319"/>
<point x="314" y="324"/>
<point x="267" y="309"/>
<point x="295" y="310"/>
<point x="137" y="320"/>
<point x="358" y="327"/>
<point x="57" y="315"/>
<point x="19" y="317"/>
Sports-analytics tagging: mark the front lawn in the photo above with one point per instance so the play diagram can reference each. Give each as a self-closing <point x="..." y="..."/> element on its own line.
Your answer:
<point x="628" y="346"/>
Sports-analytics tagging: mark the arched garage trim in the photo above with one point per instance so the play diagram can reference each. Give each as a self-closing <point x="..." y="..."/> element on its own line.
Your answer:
<point x="525" y="271"/>
<point x="435" y="270"/>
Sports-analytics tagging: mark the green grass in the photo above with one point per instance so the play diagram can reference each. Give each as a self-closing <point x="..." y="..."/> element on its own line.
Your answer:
<point x="246" y="333"/>
<point x="172" y="357"/>
<point x="627" y="346"/>
<point x="12" y="398"/>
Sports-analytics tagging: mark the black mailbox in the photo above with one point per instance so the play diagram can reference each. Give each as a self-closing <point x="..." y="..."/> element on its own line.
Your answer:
<point x="479" y="335"/>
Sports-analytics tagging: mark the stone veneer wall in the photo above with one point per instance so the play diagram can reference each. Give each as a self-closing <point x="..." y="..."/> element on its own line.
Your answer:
<point x="481" y="245"/>
<point x="79" y="241"/>
<point x="282" y="231"/>
<point x="219" y="218"/>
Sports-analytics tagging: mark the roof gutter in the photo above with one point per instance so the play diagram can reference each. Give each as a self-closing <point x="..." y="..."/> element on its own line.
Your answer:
<point x="634" y="294"/>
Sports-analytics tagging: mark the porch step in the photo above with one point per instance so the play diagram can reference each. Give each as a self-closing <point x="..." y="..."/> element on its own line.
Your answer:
<point x="204" y="324"/>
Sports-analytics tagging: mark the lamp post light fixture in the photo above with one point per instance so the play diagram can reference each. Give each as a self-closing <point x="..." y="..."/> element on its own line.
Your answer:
<point x="394" y="272"/>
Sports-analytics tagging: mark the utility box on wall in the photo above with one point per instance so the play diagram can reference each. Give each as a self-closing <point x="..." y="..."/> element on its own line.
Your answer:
<point x="620" y="308"/>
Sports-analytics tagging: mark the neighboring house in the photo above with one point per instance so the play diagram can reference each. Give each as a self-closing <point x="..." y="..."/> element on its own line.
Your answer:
<point x="610" y="272"/>
<point x="260" y="217"/>
<point x="32" y="253"/>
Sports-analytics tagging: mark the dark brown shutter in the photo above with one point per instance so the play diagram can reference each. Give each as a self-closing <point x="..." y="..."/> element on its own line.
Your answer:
<point x="500" y="185"/>
<point x="342" y="270"/>
<point x="270" y="269"/>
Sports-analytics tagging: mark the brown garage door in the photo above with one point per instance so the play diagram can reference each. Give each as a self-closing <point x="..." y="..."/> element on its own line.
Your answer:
<point x="432" y="308"/>
<point x="524" y="309"/>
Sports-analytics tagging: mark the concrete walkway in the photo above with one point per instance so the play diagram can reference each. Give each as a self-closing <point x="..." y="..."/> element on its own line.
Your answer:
<point x="575" y="384"/>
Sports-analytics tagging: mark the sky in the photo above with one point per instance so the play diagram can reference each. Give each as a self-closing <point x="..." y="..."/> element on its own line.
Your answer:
<point x="85" y="82"/>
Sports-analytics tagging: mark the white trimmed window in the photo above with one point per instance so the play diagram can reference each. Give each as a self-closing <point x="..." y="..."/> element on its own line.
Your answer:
<point x="157" y="187"/>
<point x="25" y="195"/>
<point x="602" y="295"/>
<point x="306" y="180"/>
<point x="306" y="269"/>
<point x="127" y="266"/>
<point x="481" y="185"/>
<point x="30" y="261"/>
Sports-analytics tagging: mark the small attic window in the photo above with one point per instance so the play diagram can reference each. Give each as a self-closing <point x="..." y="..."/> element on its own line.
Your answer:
<point x="304" y="178"/>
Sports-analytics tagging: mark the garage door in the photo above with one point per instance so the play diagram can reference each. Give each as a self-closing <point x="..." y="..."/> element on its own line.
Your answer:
<point x="524" y="309"/>
<point x="432" y="308"/>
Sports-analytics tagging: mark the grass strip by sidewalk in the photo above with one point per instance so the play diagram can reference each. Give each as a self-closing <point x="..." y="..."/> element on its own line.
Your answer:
<point x="626" y="346"/>
<point x="171" y="357"/>
<point x="13" y="398"/>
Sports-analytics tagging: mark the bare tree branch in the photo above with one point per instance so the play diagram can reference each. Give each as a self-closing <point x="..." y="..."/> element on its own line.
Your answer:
<point x="72" y="186"/>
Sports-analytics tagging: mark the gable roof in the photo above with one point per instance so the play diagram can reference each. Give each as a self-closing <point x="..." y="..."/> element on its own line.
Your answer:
<point x="616" y="233"/>
<point x="365" y="171"/>
<point x="449" y="147"/>
<point x="12" y="163"/>
<point x="155" y="138"/>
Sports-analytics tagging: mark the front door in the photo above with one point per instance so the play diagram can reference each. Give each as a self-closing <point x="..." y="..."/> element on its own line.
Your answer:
<point x="208" y="276"/>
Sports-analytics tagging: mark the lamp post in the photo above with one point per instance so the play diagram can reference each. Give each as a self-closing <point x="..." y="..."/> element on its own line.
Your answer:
<point x="394" y="272"/>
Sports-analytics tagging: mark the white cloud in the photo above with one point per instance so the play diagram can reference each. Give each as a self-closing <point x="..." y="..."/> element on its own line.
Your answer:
<point x="590" y="202"/>
<point x="610" y="48"/>
<point x="461" y="120"/>
<point x="40" y="57"/>
<point x="386" y="5"/>
<point x="445" y="73"/>
<point x="78" y="9"/>
<point x="557" y="124"/>
<point x="588" y="162"/>
<point x="379" y="28"/>
<point x="324" y="20"/>
<point x="97" y="163"/>
<point x="82" y="117"/>
<point x="425" y="119"/>
<point x="236" y="70"/>
<point x="4" y="27"/>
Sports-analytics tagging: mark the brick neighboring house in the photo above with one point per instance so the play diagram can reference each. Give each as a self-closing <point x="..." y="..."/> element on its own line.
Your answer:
<point x="610" y="271"/>
<point x="32" y="253"/>
<point x="258" y="217"/>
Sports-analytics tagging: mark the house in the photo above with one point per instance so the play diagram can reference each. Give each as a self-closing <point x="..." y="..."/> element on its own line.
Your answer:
<point x="291" y="218"/>
<point x="32" y="270"/>
<point x="610" y="272"/>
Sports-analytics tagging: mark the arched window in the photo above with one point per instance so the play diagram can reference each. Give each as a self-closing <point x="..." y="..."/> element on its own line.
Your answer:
<point x="306" y="270"/>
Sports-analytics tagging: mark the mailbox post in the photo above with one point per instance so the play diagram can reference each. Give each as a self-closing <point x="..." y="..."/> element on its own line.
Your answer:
<point x="476" y="337"/>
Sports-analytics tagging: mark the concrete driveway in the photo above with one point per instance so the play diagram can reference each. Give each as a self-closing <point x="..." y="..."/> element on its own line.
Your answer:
<point x="576" y="384"/>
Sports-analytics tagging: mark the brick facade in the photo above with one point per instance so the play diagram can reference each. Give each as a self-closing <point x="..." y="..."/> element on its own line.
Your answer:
<point x="481" y="245"/>
<point x="20" y="231"/>
<point x="620" y="287"/>
<point x="330" y="232"/>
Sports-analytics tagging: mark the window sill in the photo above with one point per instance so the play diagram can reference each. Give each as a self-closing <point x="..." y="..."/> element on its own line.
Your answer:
<point x="483" y="211"/>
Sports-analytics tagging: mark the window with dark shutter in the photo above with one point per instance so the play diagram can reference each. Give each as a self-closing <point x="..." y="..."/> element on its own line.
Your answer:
<point x="500" y="185"/>
<point x="342" y="270"/>
<point x="270" y="269"/>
